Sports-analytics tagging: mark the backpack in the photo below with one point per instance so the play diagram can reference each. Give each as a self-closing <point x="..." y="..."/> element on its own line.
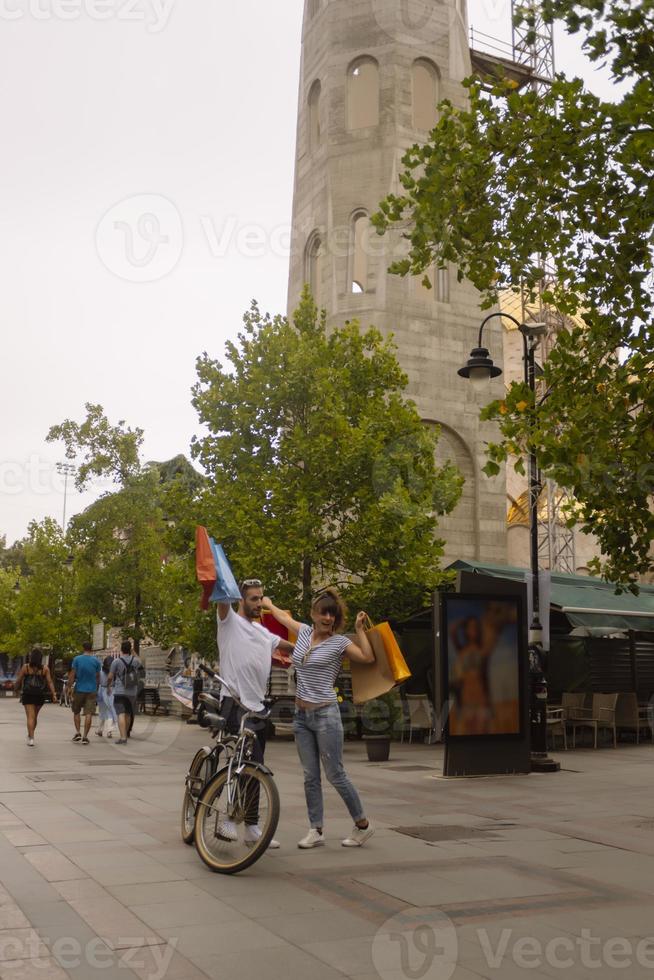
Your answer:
<point x="129" y="677"/>
<point x="34" y="682"/>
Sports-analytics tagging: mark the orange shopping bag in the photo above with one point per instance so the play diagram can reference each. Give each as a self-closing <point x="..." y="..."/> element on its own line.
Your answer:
<point x="389" y="669"/>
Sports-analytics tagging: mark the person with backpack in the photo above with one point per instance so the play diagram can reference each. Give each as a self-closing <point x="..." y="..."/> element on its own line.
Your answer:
<point x="85" y="674"/>
<point x="106" y="709"/>
<point x="33" y="681"/>
<point x="124" y="684"/>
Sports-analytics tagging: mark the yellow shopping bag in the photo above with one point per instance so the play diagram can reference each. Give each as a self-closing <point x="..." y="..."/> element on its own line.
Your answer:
<point x="389" y="669"/>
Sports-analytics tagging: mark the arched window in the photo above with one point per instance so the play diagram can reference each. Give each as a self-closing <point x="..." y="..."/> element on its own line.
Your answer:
<point x="359" y="253"/>
<point x="314" y="116"/>
<point x="314" y="266"/>
<point x="443" y="285"/>
<point x="425" y="87"/>
<point x="363" y="94"/>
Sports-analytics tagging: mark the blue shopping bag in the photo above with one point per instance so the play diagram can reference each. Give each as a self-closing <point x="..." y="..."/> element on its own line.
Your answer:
<point x="226" y="588"/>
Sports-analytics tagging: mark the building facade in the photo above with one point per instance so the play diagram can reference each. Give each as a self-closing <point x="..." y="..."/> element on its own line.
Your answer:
<point x="372" y="74"/>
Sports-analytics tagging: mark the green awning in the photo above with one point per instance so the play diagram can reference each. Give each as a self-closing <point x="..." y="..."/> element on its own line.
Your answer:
<point x="586" y="602"/>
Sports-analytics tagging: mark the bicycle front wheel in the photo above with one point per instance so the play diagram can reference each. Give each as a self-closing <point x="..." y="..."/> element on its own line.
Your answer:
<point x="202" y="769"/>
<point x="231" y="834"/>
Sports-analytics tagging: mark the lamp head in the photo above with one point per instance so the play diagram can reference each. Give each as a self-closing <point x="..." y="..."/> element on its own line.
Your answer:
<point x="534" y="330"/>
<point x="480" y="367"/>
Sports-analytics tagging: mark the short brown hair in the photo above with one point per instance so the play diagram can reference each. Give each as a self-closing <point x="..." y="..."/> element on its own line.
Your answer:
<point x="330" y="601"/>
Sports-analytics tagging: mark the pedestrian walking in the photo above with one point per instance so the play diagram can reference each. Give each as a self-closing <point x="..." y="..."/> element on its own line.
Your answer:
<point x="317" y="724"/>
<point x="106" y="709"/>
<point x="85" y="674"/>
<point x="246" y="651"/>
<point x="123" y="684"/>
<point x="34" y="681"/>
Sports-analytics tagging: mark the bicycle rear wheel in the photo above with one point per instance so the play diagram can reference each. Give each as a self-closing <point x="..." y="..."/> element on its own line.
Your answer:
<point x="201" y="770"/>
<point x="256" y="800"/>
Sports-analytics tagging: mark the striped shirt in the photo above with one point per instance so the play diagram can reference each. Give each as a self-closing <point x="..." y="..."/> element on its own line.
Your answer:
<point x="316" y="678"/>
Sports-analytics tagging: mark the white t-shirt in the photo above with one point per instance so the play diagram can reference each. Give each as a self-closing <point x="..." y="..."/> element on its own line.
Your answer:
<point x="246" y="650"/>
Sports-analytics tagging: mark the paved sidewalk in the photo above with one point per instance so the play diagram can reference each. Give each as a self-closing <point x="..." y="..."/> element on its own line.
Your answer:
<point x="505" y="877"/>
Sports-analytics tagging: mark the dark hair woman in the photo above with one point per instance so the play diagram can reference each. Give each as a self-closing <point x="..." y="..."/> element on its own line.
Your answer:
<point x="317" y="659"/>
<point x="34" y="680"/>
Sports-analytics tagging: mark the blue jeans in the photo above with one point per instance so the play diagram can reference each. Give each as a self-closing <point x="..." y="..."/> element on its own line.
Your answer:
<point x="319" y="736"/>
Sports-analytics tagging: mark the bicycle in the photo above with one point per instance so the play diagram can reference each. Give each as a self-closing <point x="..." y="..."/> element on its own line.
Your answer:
<point x="239" y="789"/>
<point x="66" y="693"/>
<point x="203" y="767"/>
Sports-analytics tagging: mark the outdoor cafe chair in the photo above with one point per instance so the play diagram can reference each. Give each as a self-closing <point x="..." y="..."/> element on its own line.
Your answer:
<point x="600" y="715"/>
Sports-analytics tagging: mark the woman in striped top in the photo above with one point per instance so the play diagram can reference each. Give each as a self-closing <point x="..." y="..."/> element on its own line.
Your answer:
<point x="317" y="724"/>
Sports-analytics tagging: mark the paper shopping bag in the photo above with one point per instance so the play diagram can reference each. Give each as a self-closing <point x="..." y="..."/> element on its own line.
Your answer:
<point x="372" y="680"/>
<point x="213" y="571"/>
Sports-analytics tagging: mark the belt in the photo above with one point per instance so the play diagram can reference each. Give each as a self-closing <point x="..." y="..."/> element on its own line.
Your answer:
<point x="312" y="705"/>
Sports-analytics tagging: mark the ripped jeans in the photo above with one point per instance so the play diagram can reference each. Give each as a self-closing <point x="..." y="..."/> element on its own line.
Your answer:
<point x="319" y="737"/>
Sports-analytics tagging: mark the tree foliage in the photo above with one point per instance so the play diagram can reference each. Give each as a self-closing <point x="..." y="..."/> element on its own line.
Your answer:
<point x="45" y="610"/>
<point x="321" y="472"/>
<point x="519" y="175"/>
<point x="122" y="542"/>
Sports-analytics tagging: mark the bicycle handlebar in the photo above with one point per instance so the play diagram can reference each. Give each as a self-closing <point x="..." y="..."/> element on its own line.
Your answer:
<point x="248" y="711"/>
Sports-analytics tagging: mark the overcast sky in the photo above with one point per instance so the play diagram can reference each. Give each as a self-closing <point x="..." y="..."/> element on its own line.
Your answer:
<point x="112" y="110"/>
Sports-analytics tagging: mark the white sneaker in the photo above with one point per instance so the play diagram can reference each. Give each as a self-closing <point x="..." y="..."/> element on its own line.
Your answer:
<point x="358" y="836"/>
<point x="253" y="833"/>
<point x="30" y="741"/>
<point x="313" y="839"/>
<point x="227" y="830"/>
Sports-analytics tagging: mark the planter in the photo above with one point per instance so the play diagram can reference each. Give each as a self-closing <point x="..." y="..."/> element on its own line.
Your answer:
<point x="378" y="747"/>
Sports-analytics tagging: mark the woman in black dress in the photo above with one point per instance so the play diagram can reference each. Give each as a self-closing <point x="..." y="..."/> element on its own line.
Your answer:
<point x="34" y="680"/>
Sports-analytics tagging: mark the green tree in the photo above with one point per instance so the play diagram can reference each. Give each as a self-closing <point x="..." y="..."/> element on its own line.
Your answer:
<point x="122" y="542"/>
<point x="45" y="610"/>
<point x="563" y="174"/>
<point x="321" y="471"/>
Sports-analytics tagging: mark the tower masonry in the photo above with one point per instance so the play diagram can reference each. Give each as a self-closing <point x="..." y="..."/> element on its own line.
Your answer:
<point x="372" y="74"/>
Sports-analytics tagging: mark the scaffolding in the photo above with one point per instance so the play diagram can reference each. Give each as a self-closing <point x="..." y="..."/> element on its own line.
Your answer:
<point x="529" y="61"/>
<point x="533" y="43"/>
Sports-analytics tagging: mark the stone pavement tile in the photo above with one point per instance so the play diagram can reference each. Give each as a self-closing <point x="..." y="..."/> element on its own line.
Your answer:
<point x="495" y="883"/>
<point x="325" y="925"/>
<point x="160" y="891"/>
<point x="20" y="944"/>
<point x="350" y="956"/>
<point x="186" y="912"/>
<point x="82" y="888"/>
<point x="134" y="874"/>
<point x="11" y="917"/>
<point x="22" y="837"/>
<point x="157" y="963"/>
<point x="43" y="915"/>
<point x="280" y="898"/>
<point x="115" y="924"/>
<point x="52" y="864"/>
<point x="420" y="888"/>
<point x="631" y="921"/>
<point x="42" y="968"/>
<point x="223" y="937"/>
<point x="283" y="963"/>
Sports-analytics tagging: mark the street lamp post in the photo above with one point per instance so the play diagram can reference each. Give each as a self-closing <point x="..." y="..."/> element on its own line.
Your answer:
<point x="480" y="367"/>
<point x="65" y="470"/>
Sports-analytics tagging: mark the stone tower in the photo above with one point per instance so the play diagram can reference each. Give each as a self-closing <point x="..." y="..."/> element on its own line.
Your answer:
<point x="372" y="73"/>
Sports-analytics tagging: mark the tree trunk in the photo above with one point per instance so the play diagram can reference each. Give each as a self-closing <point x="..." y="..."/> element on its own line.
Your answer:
<point x="306" y="585"/>
<point x="137" y="623"/>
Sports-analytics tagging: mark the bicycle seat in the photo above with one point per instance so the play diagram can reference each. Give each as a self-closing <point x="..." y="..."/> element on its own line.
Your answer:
<point x="210" y="701"/>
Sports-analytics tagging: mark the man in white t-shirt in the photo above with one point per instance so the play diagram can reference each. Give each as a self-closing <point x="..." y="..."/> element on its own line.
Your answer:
<point x="247" y="651"/>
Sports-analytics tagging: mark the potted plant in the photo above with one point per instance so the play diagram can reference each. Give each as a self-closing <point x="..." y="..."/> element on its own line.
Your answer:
<point x="381" y="718"/>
